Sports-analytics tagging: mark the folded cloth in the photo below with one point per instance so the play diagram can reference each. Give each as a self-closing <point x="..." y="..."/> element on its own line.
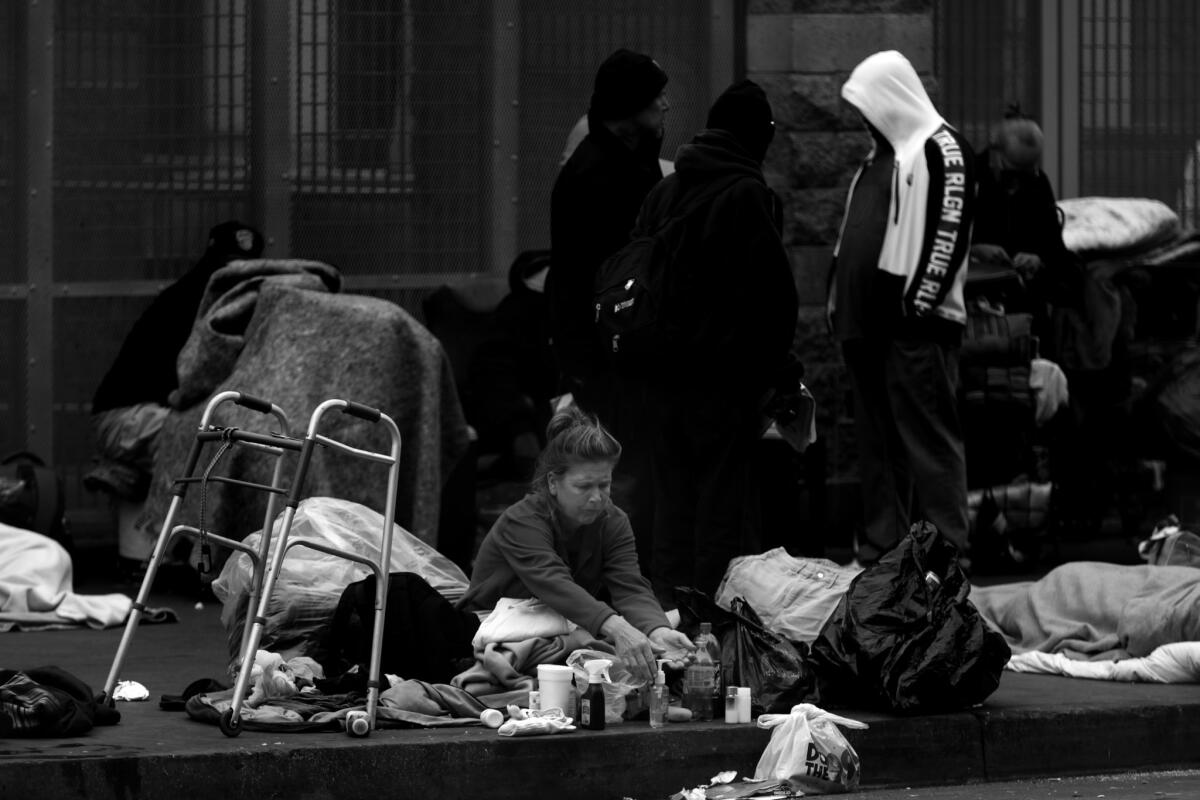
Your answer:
<point x="504" y="672"/>
<point x="1177" y="662"/>
<point x="516" y="619"/>
<point x="426" y="704"/>
<point x="552" y="721"/>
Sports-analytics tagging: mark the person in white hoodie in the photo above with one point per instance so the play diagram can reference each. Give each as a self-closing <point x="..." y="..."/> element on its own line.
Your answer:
<point x="896" y="305"/>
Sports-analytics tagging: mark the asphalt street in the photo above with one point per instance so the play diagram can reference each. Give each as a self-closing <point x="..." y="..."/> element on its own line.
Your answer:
<point x="1135" y="786"/>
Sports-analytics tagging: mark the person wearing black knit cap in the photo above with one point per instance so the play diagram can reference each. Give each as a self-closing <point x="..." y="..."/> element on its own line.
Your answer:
<point x="593" y="206"/>
<point x="736" y="314"/>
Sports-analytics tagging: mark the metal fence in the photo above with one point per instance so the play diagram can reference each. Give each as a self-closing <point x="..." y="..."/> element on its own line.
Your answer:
<point x="410" y="143"/>
<point x="1112" y="81"/>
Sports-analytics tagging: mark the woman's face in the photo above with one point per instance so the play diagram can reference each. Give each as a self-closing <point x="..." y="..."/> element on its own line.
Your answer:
<point x="582" y="492"/>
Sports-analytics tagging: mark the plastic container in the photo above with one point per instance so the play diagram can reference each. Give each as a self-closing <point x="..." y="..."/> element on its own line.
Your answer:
<point x="358" y="724"/>
<point x="591" y="703"/>
<point x="660" y="698"/>
<point x="555" y="687"/>
<point x="491" y="717"/>
<point x="743" y="703"/>
<point x="731" y="709"/>
<point x="701" y="679"/>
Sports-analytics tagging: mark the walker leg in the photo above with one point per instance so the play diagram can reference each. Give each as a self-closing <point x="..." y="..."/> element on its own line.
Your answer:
<point x="231" y="724"/>
<point x="139" y="604"/>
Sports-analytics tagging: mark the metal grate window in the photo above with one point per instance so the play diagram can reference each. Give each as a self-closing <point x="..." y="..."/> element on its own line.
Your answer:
<point x="150" y="133"/>
<point x="988" y="57"/>
<point x="1140" y="114"/>
<point x="562" y="44"/>
<point x="389" y="143"/>
<point x="10" y="270"/>
<point x="410" y="143"/>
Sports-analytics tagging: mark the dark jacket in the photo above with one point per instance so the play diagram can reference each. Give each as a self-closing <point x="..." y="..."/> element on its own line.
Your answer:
<point x="1026" y="221"/>
<point x="144" y="370"/>
<point x="733" y="293"/>
<point x="527" y="553"/>
<point x="592" y="211"/>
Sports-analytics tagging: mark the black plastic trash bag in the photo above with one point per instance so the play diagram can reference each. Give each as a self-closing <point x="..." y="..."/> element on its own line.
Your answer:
<point x="751" y="655"/>
<point x="905" y="636"/>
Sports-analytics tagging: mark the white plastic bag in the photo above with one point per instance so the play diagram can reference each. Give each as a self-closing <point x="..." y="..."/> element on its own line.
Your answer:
<point x="808" y="751"/>
<point x="310" y="582"/>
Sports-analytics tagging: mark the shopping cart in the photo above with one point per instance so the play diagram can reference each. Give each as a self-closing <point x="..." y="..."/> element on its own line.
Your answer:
<point x="267" y="559"/>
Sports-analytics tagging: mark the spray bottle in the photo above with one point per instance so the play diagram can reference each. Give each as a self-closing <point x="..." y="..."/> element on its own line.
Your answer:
<point x="659" y="698"/>
<point x="591" y="705"/>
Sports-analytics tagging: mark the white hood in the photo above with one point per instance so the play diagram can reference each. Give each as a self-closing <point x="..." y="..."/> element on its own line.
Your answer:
<point x="888" y="92"/>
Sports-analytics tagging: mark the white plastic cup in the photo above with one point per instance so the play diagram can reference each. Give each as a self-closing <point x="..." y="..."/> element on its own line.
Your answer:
<point x="554" y="685"/>
<point x="743" y="704"/>
<point x="491" y="717"/>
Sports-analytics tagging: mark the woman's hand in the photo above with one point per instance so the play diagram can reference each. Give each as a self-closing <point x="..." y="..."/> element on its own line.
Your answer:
<point x="633" y="648"/>
<point x="675" y="648"/>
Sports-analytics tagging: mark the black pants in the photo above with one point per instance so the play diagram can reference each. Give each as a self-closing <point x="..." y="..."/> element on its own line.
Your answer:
<point x="706" y="501"/>
<point x="911" y="457"/>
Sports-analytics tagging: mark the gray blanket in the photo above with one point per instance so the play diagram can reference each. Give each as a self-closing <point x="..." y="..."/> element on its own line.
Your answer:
<point x="1096" y="611"/>
<point x="279" y="330"/>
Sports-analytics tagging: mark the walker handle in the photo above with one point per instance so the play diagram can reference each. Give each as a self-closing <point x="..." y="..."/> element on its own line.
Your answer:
<point x="253" y="403"/>
<point x="362" y="412"/>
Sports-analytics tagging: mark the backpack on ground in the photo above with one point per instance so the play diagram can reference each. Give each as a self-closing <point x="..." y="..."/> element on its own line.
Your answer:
<point x="634" y="288"/>
<point x="31" y="497"/>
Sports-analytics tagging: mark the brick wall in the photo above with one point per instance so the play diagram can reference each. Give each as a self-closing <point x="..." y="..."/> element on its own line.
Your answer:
<point x="801" y="52"/>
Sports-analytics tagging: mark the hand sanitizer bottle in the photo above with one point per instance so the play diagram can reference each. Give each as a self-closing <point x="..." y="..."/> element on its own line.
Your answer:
<point x="660" y="698"/>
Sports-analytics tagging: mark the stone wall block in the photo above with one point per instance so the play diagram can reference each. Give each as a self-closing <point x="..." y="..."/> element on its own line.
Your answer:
<point x="810" y="265"/>
<point x="807" y="102"/>
<point x="818" y="160"/>
<point x="769" y="43"/>
<point x="812" y="216"/>
<point x="837" y="42"/>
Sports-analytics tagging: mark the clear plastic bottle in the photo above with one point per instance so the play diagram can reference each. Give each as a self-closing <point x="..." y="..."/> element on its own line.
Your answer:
<point x="660" y="698"/>
<point x="701" y="680"/>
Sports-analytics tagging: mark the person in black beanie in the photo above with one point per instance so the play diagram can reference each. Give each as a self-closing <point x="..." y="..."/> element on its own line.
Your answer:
<point x="130" y="404"/>
<point x="737" y="314"/>
<point x="593" y="206"/>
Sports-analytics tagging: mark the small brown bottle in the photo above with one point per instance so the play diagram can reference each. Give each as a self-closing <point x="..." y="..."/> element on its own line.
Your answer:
<point x="591" y="703"/>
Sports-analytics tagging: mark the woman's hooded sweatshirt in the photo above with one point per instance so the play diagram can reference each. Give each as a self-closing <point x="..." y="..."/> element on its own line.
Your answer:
<point x="923" y="257"/>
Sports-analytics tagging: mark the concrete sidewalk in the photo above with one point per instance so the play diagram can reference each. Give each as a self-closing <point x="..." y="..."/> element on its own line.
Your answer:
<point x="1032" y="726"/>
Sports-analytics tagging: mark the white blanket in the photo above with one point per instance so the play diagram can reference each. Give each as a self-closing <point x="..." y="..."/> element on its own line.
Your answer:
<point x="1178" y="662"/>
<point x="1116" y="223"/>
<point x="36" y="589"/>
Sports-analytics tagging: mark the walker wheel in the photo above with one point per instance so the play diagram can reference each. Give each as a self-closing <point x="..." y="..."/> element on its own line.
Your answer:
<point x="228" y="724"/>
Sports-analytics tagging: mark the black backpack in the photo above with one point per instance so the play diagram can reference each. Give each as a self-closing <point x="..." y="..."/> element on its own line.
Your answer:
<point x="31" y="497"/>
<point x="635" y="318"/>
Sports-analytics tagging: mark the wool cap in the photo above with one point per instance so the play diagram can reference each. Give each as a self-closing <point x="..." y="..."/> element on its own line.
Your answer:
<point x="744" y="111"/>
<point x="626" y="83"/>
<point x="235" y="239"/>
